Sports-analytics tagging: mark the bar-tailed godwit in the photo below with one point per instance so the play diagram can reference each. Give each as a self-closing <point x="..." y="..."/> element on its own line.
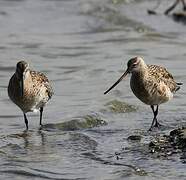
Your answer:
<point x="29" y="90"/>
<point x="152" y="84"/>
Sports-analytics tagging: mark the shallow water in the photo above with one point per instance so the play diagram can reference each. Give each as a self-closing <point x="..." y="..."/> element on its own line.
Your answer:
<point x="83" y="47"/>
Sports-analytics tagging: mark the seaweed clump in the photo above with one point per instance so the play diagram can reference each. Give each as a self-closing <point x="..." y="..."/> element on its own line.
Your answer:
<point x="85" y="122"/>
<point x="116" y="106"/>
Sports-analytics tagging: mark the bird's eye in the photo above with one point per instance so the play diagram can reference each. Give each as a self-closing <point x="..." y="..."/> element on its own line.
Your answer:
<point x="134" y="65"/>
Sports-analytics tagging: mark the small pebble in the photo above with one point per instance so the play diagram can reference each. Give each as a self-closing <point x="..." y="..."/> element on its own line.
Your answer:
<point x="134" y="138"/>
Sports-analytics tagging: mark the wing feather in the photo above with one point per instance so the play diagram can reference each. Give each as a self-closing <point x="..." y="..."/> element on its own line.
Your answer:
<point x="162" y="75"/>
<point x="40" y="78"/>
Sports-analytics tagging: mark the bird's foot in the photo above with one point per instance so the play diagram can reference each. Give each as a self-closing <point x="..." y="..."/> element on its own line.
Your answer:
<point x="150" y="129"/>
<point x="41" y="127"/>
<point x="25" y="132"/>
<point x="157" y="124"/>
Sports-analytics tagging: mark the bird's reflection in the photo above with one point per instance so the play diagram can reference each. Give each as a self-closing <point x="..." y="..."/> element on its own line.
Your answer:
<point x="29" y="136"/>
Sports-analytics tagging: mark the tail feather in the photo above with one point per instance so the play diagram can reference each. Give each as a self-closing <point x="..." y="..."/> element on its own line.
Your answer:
<point x="178" y="86"/>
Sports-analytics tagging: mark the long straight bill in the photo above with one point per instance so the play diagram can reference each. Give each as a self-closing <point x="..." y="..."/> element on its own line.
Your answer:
<point x="124" y="74"/>
<point x="22" y="86"/>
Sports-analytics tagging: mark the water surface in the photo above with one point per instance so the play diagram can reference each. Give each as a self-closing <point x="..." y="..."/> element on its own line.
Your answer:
<point x="83" y="46"/>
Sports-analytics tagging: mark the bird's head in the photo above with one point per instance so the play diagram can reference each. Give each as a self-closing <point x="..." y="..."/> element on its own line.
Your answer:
<point x="134" y="65"/>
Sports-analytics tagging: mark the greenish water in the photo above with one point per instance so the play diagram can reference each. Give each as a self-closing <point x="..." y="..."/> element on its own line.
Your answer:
<point x="83" y="47"/>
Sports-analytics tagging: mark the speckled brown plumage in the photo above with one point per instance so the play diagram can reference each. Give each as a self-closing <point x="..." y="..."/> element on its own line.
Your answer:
<point x="153" y="85"/>
<point x="42" y="80"/>
<point x="29" y="90"/>
<point x="161" y="74"/>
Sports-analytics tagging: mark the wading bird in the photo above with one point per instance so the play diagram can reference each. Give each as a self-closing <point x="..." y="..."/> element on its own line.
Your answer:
<point x="152" y="84"/>
<point x="29" y="90"/>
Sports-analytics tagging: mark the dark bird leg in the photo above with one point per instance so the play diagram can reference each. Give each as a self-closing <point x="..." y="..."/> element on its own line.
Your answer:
<point x="26" y="121"/>
<point x="155" y="122"/>
<point x="184" y="5"/>
<point x="172" y="7"/>
<point x="41" y="115"/>
<point x="152" y="107"/>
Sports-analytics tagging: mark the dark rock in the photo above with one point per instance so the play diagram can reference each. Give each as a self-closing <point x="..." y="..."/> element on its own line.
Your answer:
<point x="134" y="138"/>
<point x="151" y="12"/>
<point x="116" y="106"/>
<point x="180" y="17"/>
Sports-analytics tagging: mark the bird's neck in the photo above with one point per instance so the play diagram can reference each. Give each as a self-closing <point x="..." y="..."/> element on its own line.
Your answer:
<point x="141" y="73"/>
<point x="28" y="83"/>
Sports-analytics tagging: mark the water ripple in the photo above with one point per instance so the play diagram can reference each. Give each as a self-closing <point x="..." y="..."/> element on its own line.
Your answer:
<point x="30" y="172"/>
